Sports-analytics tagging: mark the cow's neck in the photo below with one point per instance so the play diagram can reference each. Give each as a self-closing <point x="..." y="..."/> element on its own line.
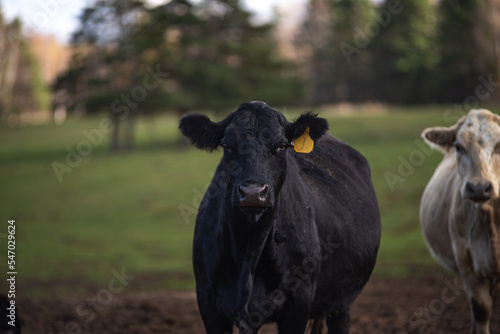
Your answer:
<point x="244" y="242"/>
<point x="245" y="239"/>
<point x="493" y="217"/>
<point x="243" y="245"/>
<point x="485" y="231"/>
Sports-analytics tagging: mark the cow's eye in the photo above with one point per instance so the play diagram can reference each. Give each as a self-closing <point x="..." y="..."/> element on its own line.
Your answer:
<point x="281" y="147"/>
<point x="226" y="148"/>
<point x="497" y="149"/>
<point x="460" y="149"/>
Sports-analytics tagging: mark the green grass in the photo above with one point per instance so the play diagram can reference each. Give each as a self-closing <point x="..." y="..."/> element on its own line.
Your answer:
<point x="122" y="210"/>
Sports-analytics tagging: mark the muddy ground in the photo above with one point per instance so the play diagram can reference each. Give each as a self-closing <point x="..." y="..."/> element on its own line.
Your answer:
<point x="429" y="304"/>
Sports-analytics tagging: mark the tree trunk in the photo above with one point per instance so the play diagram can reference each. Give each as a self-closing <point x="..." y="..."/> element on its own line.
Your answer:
<point x="115" y="135"/>
<point x="130" y="132"/>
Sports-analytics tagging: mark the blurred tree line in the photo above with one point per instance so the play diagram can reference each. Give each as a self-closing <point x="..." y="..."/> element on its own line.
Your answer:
<point x="401" y="51"/>
<point x="130" y="58"/>
<point x="212" y="55"/>
<point x="22" y="87"/>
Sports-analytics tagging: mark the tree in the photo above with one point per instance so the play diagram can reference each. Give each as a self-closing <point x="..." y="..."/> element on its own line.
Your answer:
<point x="313" y="45"/>
<point x="206" y="55"/>
<point x="103" y="69"/>
<point x="21" y="85"/>
<point x="338" y="49"/>
<point x="404" y="52"/>
<point x="216" y="57"/>
<point x="466" y="48"/>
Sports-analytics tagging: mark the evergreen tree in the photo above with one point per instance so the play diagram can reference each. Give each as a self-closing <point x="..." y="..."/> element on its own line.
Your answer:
<point x="466" y="48"/>
<point x="207" y="55"/>
<point x="104" y="69"/>
<point x="216" y="57"/>
<point x="336" y="35"/>
<point x="404" y="52"/>
<point x="313" y="44"/>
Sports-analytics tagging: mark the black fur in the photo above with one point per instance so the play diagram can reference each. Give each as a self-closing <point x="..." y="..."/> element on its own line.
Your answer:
<point x="317" y="126"/>
<point x="201" y="131"/>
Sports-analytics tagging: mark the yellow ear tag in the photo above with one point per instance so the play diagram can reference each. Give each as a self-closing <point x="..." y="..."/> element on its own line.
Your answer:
<point x="304" y="143"/>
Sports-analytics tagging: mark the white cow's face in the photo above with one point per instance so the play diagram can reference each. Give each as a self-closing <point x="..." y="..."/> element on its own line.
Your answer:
<point x="475" y="140"/>
<point x="477" y="147"/>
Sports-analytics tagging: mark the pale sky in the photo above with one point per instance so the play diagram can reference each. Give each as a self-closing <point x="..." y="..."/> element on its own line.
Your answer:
<point x="60" y="17"/>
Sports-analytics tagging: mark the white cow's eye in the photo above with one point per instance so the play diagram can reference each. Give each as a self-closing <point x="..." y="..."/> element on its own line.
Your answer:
<point x="497" y="149"/>
<point x="460" y="149"/>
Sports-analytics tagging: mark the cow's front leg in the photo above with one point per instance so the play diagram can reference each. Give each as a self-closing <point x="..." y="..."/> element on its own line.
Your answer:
<point x="481" y="304"/>
<point x="248" y="325"/>
<point x="215" y="323"/>
<point x="479" y="289"/>
<point x="339" y="321"/>
<point x="294" y="317"/>
<point x="479" y="292"/>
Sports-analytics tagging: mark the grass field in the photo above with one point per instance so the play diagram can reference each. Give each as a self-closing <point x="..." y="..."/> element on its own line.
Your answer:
<point x="115" y="211"/>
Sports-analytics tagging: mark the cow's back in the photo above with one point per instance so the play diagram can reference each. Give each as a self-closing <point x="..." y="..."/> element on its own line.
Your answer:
<point x="347" y="218"/>
<point x="435" y="209"/>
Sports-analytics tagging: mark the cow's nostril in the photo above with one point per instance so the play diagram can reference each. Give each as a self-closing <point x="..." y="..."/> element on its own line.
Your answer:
<point x="241" y="192"/>
<point x="264" y="193"/>
<point x="469" y="188"/>
<point x="489" y="188"/>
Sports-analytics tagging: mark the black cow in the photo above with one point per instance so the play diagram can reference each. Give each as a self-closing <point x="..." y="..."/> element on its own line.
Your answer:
<point x="281" y="236"/>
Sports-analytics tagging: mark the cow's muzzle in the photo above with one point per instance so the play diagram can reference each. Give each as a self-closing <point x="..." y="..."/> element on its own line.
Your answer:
<point x="479" y="190"/>
<point x="253" y="195"/>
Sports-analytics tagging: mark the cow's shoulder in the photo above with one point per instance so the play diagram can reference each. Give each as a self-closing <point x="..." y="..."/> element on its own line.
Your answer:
<point x="341" y="152"/>
<point x="441" y="194"/>
<point x="334" y="160"/>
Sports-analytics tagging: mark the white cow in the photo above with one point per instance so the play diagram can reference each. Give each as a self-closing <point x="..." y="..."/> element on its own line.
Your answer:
<point x="460" y="209"/>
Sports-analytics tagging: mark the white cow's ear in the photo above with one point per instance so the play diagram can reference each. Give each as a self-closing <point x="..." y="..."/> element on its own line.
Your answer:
<point x="442" y="139"/>
<point x="438" y="138"/>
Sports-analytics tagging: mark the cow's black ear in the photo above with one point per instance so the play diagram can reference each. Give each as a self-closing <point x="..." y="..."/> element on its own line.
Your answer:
<point x="317" y="126"/>
<point x="201" y="131"/>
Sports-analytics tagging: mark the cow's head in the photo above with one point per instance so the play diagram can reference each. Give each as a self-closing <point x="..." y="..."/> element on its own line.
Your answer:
<point x="475" y="140"/>
<point x="255" y="139"/>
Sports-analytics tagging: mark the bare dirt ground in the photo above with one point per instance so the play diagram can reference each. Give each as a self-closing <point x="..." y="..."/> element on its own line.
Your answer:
<point x="430" y="304"/>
